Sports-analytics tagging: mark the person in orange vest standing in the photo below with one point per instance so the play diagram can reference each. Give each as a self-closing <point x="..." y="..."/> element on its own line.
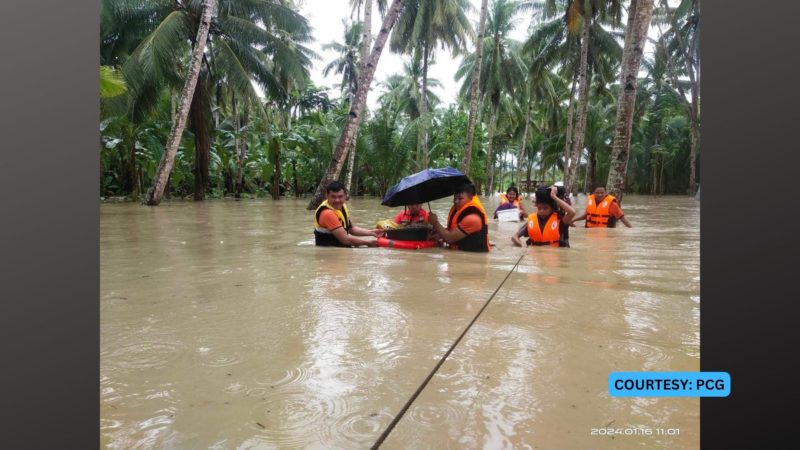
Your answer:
<point x="602" y="211"/>
<point x="467" y="223"/>
<point x="550" y="224"/>
<point x="412" y="214"/>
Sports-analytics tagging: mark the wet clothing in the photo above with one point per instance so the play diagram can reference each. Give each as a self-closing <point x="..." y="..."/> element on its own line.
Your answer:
<point x="545" y="231"/>
<point x="406" y="218"/>
<point x="326" y="220"/>
<point x="603" y="215"/>
<point x="471" y="219"/>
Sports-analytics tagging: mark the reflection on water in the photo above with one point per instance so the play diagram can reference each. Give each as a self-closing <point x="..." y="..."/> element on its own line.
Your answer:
<point x="222" y="326"/>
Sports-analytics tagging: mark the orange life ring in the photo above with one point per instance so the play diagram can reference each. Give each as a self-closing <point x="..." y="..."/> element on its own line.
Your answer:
<point x="413" y="245"/>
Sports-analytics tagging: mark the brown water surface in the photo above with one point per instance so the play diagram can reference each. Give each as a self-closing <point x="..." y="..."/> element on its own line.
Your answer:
<point x="223" y="326"/>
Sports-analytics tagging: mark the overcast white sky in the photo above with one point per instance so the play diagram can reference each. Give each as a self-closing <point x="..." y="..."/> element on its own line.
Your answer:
<point x="326" y="17"/>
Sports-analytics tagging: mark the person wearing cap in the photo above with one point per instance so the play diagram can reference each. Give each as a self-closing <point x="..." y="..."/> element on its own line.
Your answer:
<point x="467" y="223"/>
<point x="332" y="225"/>
<point x="550" y="224"/>
<point x="412" y="214"/>
<point x="602" y="211"/>
<point x="511" y="200"/>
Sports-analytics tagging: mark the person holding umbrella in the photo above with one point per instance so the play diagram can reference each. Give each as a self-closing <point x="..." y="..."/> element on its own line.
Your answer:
<point x="467" y="223"/>
<point x="332" y="225"/>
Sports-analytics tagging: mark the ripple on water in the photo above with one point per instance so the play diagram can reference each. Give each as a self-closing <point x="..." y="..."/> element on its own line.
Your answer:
<point x="296" y="419"/>
<point x="284" y="378"/>
<point x="140" y="355"/>
<point x="219" y="358"/>
<point x="146" y="434"/>
<point x="650" y="356"/>
<point x="437" y="416"/>
<point x="355" y="430"/>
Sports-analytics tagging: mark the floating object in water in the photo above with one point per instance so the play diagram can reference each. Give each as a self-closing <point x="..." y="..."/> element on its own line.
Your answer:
<point x="412" y="245"/>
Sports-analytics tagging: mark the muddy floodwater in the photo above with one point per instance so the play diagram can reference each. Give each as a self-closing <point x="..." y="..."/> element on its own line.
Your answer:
<point x="223" y="326"/>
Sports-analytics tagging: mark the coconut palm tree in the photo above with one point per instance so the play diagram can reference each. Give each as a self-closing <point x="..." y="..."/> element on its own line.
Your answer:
<point x="580" y="45"/>
<point x="165" y="166"/>
<point x="639" y="15"/>
<point x="348" y="62"/>
<point x="402" y="91"/>
<point x="503" y="70"/>
<point x="357" y="105"/>
<point x="111" y="82"/>
<point x="474" y="88"/>
<point x="679" y="46"/>
<point x="424" y="25"/>
<point x="246" y="42"/>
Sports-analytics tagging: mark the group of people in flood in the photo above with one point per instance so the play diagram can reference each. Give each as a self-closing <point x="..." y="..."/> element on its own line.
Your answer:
<point x="467" y="225"/>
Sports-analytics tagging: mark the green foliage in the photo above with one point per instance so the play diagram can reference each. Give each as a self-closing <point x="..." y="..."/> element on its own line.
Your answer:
<point x="294" y="129"/>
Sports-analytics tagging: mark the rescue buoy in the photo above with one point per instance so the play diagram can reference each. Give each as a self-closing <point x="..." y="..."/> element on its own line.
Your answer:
<point x="412" y="245"/>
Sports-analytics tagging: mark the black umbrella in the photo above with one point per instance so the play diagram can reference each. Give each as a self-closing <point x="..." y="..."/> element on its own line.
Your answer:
<point x="425" y="186"/>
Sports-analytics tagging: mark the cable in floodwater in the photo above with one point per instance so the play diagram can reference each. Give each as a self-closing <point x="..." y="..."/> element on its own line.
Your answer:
<point x="399" y="416"/>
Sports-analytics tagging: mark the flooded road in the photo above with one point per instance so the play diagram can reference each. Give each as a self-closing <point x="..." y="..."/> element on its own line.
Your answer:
<point x="223" y="326"/>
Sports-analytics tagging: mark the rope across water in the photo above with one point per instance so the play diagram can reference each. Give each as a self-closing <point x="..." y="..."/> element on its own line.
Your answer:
<point x="413" y="397"/>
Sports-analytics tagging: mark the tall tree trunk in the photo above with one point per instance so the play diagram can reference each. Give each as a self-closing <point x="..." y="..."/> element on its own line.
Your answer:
<point x="173" y="105"/>
<point x="366" y="36"/>
<point x="522" y="154"/>
<point x="528" y="178"/>
<point x="570" y="116"/>
<point x="294" y="175"/>
<point x="489" y="162"/>
<point x="639" y="15"/>
<point x="276" y="173"/>
<point x="473" y="100"/>
<point x="590" y="168"/>
<point x="199" y="123"/>
<point x="357" y="106"/>
<point x="241" y="154"/>
<point x="351" y="163"/>
<point x="583" y="101"/>
<point x="423" y="110"/>
<point x="690" y="59"/>
<point x="156" y="193"/>
<point x="695" y="116"/>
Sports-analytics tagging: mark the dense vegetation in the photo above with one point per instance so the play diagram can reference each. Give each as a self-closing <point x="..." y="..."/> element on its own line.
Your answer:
<point x="546" y="105"/>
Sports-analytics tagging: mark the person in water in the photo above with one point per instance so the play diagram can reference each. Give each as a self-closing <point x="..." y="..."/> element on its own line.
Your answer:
<point x="411" y="215"/>
<point x="602" y="211"/>
<point x="332" y="224"/>
<point x="550" y="224"/>
<point x="467" y="223"/>
<point x="510" y="200"/>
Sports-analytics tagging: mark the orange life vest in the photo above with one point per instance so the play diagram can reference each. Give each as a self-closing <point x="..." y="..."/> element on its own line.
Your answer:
<point x="599" y="216"/>
<point x="475" y="242"/>
<point x="406" y="217"/>
<point x="504" y="199"/>
<point x="325" y="237"/>
<point x="551" y="235"/>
